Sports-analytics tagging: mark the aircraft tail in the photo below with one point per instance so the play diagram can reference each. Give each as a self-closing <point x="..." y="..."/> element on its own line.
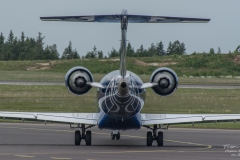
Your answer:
<point x="124" y="19"/>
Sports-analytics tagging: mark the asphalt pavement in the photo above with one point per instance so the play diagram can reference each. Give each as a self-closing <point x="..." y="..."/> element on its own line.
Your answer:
<point x="56" y="141"/>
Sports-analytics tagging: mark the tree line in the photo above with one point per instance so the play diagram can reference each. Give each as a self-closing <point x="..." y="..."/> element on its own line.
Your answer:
<point x="176" y="47"/>
<point x="27" y="48"/>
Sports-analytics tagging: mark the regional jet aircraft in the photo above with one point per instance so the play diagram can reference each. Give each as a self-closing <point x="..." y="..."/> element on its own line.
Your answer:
<point x="121" y="93"/>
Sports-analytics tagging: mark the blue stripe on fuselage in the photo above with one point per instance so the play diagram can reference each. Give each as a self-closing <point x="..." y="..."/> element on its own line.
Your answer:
<point x="106" y="122"/>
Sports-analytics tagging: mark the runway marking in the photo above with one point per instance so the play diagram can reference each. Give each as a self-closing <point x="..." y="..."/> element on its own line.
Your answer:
<point x="24" y="156"/>
<point x="50" y="153"/>
<point x="197" y="144"/>
<point x="208" y="146"/>
<point x="156" y="151"/>
<point x="141" y="151"/>
<point x="60" y="158"/>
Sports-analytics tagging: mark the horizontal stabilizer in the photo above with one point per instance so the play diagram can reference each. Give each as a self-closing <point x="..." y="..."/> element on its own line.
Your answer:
<point x="131" y="19"/>
<point x="93" y="18"/>
<point x="163" y="19"/>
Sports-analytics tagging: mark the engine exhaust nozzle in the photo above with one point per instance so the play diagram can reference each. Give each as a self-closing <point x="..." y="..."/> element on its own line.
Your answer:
<point x="123" y="88"/>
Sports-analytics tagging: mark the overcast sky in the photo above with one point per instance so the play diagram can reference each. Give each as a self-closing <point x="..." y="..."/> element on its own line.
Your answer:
<point x="222" y="31"/>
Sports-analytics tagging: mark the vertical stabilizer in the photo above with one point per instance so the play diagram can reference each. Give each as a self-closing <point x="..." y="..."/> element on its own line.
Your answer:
<point x="123" y="47"/>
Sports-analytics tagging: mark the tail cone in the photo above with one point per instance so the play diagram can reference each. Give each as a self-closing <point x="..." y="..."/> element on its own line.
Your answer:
<point x="123" y="88"/>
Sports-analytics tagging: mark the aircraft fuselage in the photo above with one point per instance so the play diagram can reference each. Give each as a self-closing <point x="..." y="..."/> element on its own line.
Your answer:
<point x="119" y="110"/>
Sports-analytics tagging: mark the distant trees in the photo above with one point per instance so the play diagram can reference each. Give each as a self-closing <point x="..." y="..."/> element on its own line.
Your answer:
<point x="141" y="52"/>
<point x="154" y="50"/>
<point x="26" y="48"/>
<point x="176" y="48"/>
<point x="160" y="49"/>
<point x="237" y="50"/>
<point x="69" y="53"/>
<point x="219" y="50"/>
<point x="113" y="53"/>
<point x="211" y="51"/>
<point x="130" y="50"/>
<point x="51" y="52"/>
<point x="94" y="53"/>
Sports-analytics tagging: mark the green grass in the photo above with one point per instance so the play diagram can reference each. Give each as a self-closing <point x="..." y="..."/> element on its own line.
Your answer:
<point x="189" y="65"/>
<point x="43" y="76"/>
<point x="37" y="76"/>
<point x="44" y="99"/>
<point x="194" y="101"/>
<point x="58" y="99"/>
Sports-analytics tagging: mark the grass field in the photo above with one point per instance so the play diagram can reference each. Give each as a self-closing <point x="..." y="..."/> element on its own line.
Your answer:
<point x="42" y="76"/>
<point x="58" y="99"/>
<point x="190" y="65"/>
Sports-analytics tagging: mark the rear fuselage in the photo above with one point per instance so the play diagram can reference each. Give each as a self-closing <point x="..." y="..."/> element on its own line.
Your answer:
<point x="120" y="111"/>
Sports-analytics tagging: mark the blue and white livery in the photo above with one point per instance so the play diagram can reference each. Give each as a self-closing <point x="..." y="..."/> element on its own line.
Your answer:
<point x="121" y="94"/>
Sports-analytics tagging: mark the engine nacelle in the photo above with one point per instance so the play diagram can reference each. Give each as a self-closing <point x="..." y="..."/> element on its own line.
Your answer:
<point x="77" y="79"/>
<point x="166" y="79"/>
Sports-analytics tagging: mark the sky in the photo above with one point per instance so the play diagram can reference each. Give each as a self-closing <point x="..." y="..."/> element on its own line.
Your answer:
<point x="222" y="31"/>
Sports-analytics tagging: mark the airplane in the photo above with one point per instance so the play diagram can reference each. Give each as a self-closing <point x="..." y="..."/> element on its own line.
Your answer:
<point x="121" y="93"/>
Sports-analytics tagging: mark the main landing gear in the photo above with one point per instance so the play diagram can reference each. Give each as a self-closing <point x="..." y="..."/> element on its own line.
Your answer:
<point x="151" y="136"/>
<point x="115" y="134"/>
<point x="87" y="135"/>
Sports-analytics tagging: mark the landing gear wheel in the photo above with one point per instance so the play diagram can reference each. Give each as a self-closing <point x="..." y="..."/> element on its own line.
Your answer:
<point x="113" y="136"/>
<point x="88" y="138"/>
<point x="77" y="138"/>
<point x="118" y="136"/>
<point x="149" y="138"/>
<point x="160" y="139"/>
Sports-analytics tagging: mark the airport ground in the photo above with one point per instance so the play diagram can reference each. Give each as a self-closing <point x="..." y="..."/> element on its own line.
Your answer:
<point x="188" y="99"/>
<point x="34" y="140"/>
<point x="55" y="141"/>
<point x="51" y="76"/>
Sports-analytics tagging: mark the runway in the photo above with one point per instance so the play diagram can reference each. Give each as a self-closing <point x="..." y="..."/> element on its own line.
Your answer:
<point x="55" y="141"/>
<point x="200" y="86"/>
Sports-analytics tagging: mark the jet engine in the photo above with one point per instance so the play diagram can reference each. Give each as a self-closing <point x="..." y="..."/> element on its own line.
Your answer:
<point x="165" y="81"/>
<point x="77" y="80"/>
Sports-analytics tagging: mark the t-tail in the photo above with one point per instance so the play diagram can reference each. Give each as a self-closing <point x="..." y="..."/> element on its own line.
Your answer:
<point x="124" y="18"/>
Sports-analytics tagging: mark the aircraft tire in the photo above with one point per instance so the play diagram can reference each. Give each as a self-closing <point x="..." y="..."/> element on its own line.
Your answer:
<point x="113" y="136"/>
<point x="77" y="138"/>
<point x="88" y="138"/>
<point x="160" y="139"/>
<point x="118" y="136"/>
<point x="149" y="138"/>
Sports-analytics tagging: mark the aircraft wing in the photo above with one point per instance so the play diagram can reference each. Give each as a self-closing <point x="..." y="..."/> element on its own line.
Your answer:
<point x="83" y="118"/>
<point x="150" y="119"/>
<point x="116" y="18"/>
